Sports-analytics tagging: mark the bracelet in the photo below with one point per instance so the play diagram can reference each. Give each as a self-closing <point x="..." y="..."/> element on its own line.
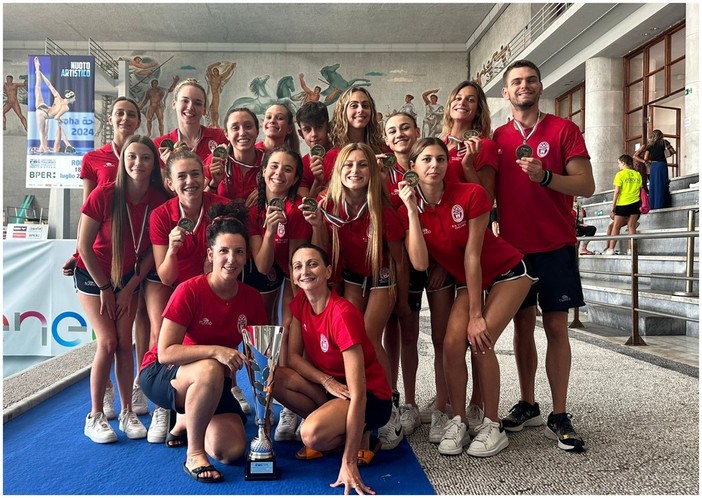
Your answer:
<point x="548" y="176"/>
<point x="106" y="286"/>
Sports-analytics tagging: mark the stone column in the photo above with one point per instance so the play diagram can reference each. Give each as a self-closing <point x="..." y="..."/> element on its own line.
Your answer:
<point x="604" y="117"/>
<point x="691" y="120"/>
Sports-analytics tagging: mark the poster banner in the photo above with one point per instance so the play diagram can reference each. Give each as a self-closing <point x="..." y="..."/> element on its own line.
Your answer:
<point x="41" y="314"/>
<point x="61" y="109"/>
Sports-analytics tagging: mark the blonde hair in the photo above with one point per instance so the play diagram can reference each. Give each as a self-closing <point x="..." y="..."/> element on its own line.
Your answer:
<point x="189" y="82"/>
<point x="481" y="122"/>
<point x="339" y="125"/>
<point x="376" y="199"/>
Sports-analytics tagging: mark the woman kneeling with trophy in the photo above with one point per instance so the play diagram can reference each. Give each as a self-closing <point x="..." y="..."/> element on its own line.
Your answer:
<point x="333" y="378"/>
<point x="190" y="368"/>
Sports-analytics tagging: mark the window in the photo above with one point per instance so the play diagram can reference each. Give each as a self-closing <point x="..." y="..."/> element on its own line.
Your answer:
<point x="571" y="105"/>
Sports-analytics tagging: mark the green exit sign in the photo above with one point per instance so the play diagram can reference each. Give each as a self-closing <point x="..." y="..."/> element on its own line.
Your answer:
<point x="688" y="91"/>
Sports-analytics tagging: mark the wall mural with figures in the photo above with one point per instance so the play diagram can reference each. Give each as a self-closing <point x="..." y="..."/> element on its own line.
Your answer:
<point x="257" y="80"/>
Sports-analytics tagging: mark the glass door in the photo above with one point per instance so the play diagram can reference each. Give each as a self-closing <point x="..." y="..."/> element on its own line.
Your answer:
<point x="666" y="119"/>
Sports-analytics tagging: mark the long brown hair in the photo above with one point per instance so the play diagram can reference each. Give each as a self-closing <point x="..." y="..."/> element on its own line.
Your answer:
<point x="339" y="126"/>
<point x="481" y="122"/>
<point x="119" y="205"/>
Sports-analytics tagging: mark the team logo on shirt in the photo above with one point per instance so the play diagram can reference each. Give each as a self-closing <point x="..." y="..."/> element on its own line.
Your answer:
<point x="457" y="213"/>
<point x="281" y="230"/>
<point x="109" y="165"/>
<point x="212" y="145"/>
<point x="323" y="343"/>
<point x="241" y="322"/>
<point x="205" y="321"/>
<point x="542" y="149"/>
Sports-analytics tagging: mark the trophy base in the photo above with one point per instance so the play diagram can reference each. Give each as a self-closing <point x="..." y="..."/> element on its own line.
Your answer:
<point x="262" y="470"/>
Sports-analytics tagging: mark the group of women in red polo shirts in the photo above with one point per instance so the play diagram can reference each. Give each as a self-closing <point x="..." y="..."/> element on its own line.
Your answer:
<point x="229" y="235"/>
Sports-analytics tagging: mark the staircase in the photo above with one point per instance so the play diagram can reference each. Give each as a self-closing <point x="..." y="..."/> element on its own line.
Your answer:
<point x="658" y="258"/>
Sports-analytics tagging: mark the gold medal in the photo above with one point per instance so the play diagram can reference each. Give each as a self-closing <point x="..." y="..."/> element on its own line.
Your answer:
<point x="389" y="161"/>
<point x="168" y="144"/>
<point x="411" y="178"/>
<point x="186" y="224"/>
<point x="277" y="202"/>
<point x="318" y="150"/>
<point x="524" y="151"/>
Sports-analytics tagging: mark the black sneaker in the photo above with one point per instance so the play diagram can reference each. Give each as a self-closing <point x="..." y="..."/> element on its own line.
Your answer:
<point x="522" y="415"/>
<point x="560" y="429"/>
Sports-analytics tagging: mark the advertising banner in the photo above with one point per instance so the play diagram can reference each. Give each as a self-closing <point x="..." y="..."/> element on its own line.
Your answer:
<point x="61" y="109"/>
<point x="41" y="314"/>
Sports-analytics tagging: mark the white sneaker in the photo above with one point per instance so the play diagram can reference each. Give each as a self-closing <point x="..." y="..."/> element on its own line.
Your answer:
<point x="608" y="252"/>
<point x="131" y="425"/>
<point x="427" y="410"/>
<point x="98" y="430"/>
<point x="455" y="438"/>
<point x="239" y="396"/>
<point x="285" y="430"/>
<point x="140" y="404"/>
<point x="491" y="439"/>
<point x="409" y="418"/>
<point x="439" y="421"/>
<point x="391" y="433"/>
<point x="159" y="426"/>
<point x="108" y="402"/>
<point x="474" y="416"/>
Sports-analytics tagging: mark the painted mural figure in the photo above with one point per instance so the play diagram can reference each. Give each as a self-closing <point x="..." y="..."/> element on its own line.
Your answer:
<point x="263" y="99"/>
<point x="431" y="125"/>
<point x="408" y="106"/>
<point x="12" y="102"/>
<point x="44" y="113"/>
<point x="218" y="74"/>
<point x="337" y="83"/>
<point x="310" y="94"/>
<point x="155" y="97"/>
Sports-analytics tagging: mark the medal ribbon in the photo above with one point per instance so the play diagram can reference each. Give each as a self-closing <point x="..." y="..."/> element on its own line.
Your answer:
<point x="182" y="214"/>
<point x="521" y="130"/>
<point x="422" y="202"/>
<point x="340" y="222"/>
<point x="137" y="244"/>
<point x="395" y="174"/>
<point x="114" y="150"/>
<point x="199" y="137"/>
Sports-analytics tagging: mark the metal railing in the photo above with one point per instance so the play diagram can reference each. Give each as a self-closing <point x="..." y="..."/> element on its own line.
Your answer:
<point x="51" y="48"/>
<point x="541" y="21"/>
<point x="635" y="338"/>
<point x="103" y="59"/>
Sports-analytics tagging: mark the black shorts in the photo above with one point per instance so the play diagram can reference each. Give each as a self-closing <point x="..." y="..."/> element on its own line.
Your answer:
<point x="521" y="269"/>
<point x="559" y="287"/>
<point x="155" y="381"/>
<point x="378" y="410"/>
<point x="367" y="281"/>
<point x="85" y="284"/>
<point x="585" y="230"/>
<point x="628" y="209"/>
<point x="418" y="283"/>
<point x="264" y="284"/>
<point x="152" y="276"/>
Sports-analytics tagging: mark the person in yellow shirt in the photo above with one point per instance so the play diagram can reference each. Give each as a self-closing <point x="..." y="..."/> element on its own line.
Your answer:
<point x="626" y="202"/>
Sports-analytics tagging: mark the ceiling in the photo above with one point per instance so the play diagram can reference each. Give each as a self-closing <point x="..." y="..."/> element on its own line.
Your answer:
<point x="261" y="23"/>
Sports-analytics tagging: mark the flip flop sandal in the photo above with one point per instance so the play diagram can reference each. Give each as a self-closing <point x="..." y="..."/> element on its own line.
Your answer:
<point x="196" y="472"/>
<point x="306" y="453"/>
<point x="365" y="457"/>
<point x="176" y="441"/>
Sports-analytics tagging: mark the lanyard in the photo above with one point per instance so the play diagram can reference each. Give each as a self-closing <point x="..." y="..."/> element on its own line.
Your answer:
<point x="114" y="150"/>
<point x="182" y="214"/>
<point x="521" y="130"/>
<point x="231" y="159"/>
<point x="199" y="137"/>
<point x="340" y="222"/>
<point x="395" y="174"/>
<point x="137" y="244"/>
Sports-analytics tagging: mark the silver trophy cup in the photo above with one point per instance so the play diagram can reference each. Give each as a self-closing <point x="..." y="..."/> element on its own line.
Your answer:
<point x="262" y="347"/>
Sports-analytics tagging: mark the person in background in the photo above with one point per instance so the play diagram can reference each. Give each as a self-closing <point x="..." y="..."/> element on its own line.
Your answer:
<point x="354" y="121"/>
<point x="313" y="121"/>
<point x="581" y="229"/>
<point x="626" y="201"/>
<point x="653" y="155"/>
<point x="278" y="129"/>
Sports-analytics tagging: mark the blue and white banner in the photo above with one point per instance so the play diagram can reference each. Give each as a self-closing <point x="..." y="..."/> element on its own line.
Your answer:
<point x="61" y="108"/>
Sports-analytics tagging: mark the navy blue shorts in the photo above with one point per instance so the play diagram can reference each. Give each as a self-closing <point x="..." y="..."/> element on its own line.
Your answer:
<point x="262" y="283"/>
<point x="85" y="284"/>
<point x="559" y="287"/>
<point x="628" y="209"/>
<point x="155" y="381"/>
<point x="366" y="282"/>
